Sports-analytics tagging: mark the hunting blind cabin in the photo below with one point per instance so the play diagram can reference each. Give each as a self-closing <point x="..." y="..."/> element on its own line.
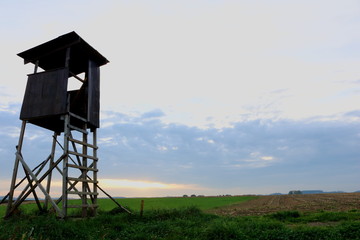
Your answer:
<point x="73" y="114"/>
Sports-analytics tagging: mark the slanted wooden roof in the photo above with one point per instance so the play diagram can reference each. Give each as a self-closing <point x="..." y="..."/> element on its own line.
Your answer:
<point x="51" y="55"/>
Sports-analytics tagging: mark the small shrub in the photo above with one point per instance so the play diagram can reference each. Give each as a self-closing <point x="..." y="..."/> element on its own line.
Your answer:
<point x="331" y="216"/>
<point x="223" y="230"/>
<point x="350" y="230"/>
<point x="166" y="214"/>
<point x="118" y="210"/>
<point x="285" y="215"/>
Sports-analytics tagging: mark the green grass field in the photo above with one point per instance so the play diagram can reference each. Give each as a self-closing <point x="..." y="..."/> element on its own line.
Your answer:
<point x="203" y="203"/>
<point x="181" y="218"/>
<point x="133" y="204"/>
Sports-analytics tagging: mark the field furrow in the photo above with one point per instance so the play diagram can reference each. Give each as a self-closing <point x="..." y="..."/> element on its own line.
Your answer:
<point x="303" y="203"/>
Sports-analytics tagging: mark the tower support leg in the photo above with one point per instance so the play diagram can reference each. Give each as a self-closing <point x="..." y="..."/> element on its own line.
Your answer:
<point x="95" y="172"/>
<point x="52" y="155"/>
<point x="85" y="186"/>
<point x="65" y="165"/>
<point x="16" y="167"/>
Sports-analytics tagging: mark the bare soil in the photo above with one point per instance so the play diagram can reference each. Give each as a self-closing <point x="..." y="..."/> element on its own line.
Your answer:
<point x="262" y="205"/>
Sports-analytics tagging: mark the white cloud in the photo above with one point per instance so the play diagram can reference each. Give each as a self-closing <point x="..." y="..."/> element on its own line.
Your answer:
<point x="12" y="132"/>
<point x="162" y="148"/>
<point x="267" y="158"/>
<point x="108" y="141"/>
<point x="107" y="124"/>
<point x="256" y="160"/>
<point x="7" y="108"/>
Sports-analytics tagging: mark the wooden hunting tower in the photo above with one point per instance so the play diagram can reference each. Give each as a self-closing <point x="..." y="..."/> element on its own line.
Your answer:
<point x="50" y="104"/>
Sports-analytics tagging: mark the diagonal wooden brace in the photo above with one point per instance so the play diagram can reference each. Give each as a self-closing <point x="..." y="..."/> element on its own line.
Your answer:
<point x="22" y="180"/>
<point x="34" y="178"/>
<point x="28" y="185"/>
<point x="20" y="200"/>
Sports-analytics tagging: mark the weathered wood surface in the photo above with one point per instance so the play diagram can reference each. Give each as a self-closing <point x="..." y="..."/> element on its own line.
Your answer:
<point x="82" y="143"/>
<point x="83" y="168"/>
<point x="51" y="54"/>
<point x="15" y="169"/>
<point x="94" y="95"/>
<point x="45" y="94"/>
<point x="83" y="155"/>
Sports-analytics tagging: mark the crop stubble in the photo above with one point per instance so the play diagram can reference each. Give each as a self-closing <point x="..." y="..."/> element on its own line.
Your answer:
<point x="301" y="202"/>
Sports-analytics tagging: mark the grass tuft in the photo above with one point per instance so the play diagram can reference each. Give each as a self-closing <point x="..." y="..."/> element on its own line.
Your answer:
<point x="285" y="215"/>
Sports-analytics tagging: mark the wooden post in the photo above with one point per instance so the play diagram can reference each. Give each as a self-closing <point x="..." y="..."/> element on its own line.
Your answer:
<point x="83" y="175"/>
<point x="66" y="146"/>
<point x="95" y="172"/>
<point x="67" y="57"/>
<point x="52" y="155"/>
<point x="36" y="66"/>
<point x="65" y="162"/>
<point x="142" y="208"/>
<point x="16" y="166"/>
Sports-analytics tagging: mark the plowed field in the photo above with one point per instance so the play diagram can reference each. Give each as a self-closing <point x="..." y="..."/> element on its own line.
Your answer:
<point x="302" y="203"/>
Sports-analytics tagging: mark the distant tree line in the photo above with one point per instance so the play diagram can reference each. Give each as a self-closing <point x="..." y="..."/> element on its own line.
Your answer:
<point x="295" y="192"/>
<point x="194" y="195"/>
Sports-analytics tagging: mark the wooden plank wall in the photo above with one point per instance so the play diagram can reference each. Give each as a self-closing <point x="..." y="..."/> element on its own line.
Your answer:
<point x="45" y="94"/>
<point x="94" y="94"/>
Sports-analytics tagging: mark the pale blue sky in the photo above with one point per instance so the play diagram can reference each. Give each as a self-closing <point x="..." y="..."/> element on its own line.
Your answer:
<point x="207" y="97"/>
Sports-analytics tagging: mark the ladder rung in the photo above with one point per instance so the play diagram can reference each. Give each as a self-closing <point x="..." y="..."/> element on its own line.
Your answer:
<point x="78" y="129"/>
<point x="82" y="168"/>
<point x="82" y="180"/>
<point x="83" y="155"/>
<point x="83" y="205"/>
<point x="78" y="117"/>
<point x="83" y="143"/>
<point x="83" y="193"/>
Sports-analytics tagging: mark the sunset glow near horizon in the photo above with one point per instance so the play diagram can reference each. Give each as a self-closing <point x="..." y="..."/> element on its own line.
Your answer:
<point x="116" y="186"/>
<point x="203" y="97"/>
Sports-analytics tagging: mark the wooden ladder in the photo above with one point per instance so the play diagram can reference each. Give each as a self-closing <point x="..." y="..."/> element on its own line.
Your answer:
<point x="82" y="156"/>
